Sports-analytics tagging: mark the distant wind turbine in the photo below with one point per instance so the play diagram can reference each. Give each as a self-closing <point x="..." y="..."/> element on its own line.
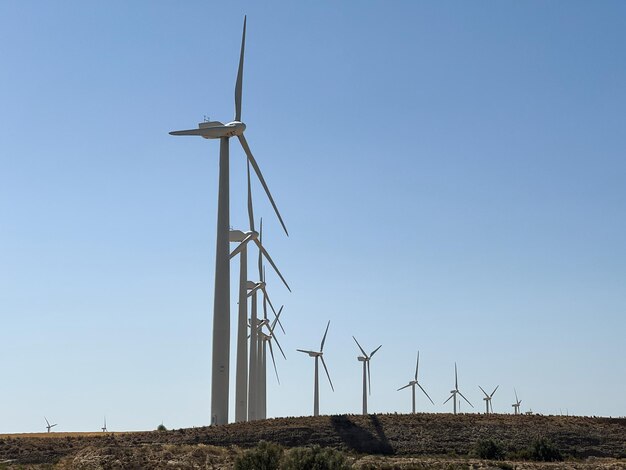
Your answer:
<point x="365" y="359"/>
<point x="488" y="404"/>
<point x="48" y="425"/>
<point x="266" y="339"/>
<point x="456" y="392"/>
<point x="319" y="355"/>
<point x="516" y="404"/>
<point x="414" y="382"/>
<point x="104" y="428"/>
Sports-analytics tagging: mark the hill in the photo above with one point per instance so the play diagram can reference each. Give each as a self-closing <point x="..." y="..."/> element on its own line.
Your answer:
<point x="389" y="434"/>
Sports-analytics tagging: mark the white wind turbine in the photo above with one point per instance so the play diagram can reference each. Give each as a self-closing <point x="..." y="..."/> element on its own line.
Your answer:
<point x="245" y="387"/>
<point x="456" y="392"/>
<point x="319" y="355"/>
<point x="104" y="428"/>
<point x="488" y="405"/>
<point x="365" y="359"/>
<point x="48" y="425"/>
<point x="221" y="301"/>
<point x="414" y="382"/>
<point x="266" y="339"/>
<point x="517" y="403"/>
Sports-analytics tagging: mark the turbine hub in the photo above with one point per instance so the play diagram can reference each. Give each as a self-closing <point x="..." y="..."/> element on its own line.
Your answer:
<point x="234" y="128"/>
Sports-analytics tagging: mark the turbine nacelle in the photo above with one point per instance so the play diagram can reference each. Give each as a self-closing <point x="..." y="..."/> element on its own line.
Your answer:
<point x="237" y="236"/>
<point x="215" y="130"/>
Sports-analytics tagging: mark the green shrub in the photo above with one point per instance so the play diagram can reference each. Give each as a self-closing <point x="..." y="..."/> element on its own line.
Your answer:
<point x="160" y="427"/>
<point x="489" y="449"/>
<point x="314" y="458"/>
<point x="265" y="456"/>
<point x="545" y="450"/>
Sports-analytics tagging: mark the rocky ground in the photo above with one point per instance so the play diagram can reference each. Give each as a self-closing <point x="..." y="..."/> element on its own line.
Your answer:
<point x="376" y="441"/>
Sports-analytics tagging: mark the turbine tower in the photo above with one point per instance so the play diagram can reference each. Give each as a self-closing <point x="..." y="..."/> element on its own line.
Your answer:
<point x="319" y="355"/>
<point x="488" y="405"/>
<point x="48" y="425"/>
<point x="221" y="300"/>
<point x="104" y="428"/>
<point x="456" y="392"/>
<point x="414" y="382"/>
<point x="365" y="359"/>
<point x="516" y="404"/>
<point x="266" y="339"/>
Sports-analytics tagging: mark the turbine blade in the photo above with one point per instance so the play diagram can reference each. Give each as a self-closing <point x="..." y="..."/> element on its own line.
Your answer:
<point x="273" y="324"/>
<point x="422" y="388"/>
<point x="266" y="296"/>
<point x="305" y="351"/>
<point x="486" y="394"/>
<point x="273" y="361"/>
<point x="402" y="388"/>
<point x="448" y="399"/>
<point x="324" y="338"/>
<point x="271" y="261"/>
<point x="47" y="422"/>
<point x="456" y="380"/>
<point x="327" y="374"/>
<point x="466" y="400"/>
<point x="494" y="391"/>
<point x="369" y="379"/>
<point x="238" y="84"/>
<point x="417" y="364"/>
<point x="515" y="394"/>
<point x="281" y="349"/>
<point x="264" y="306"/>
<point x="357" y="343"/>
<point x="250" y="208"/>
<point x="260" y="260"/>
<point x="240" y="247"/>
<point x="257" y="170"/>
<point x="254" y="289"/>
<point x="374" y="351"/>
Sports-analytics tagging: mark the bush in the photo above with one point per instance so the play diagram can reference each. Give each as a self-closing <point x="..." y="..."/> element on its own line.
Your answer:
<point x="545" y="450"/>
<point x="265" y="456"/>
<point x="489" y="449"/>
<point x="160" y="427"/>
<point x="314" y="458"/>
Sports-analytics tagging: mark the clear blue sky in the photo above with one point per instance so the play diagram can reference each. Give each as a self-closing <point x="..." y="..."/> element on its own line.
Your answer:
<point x="452" y="175"/>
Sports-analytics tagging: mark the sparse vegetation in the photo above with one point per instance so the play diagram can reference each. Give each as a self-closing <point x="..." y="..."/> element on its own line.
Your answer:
<point x="265" y="456"/>
<point x="544" y="450"/>
<point x="160" y="427"/>
<point x="489" y="449"/>
<point x="314" y="458"/>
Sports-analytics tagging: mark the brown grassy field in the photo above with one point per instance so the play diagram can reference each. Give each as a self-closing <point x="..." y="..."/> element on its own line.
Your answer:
<point x="401" y="441"/>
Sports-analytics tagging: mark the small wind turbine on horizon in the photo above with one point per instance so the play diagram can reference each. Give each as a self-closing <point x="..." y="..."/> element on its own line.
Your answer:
<point x="48" y="425"/>
<point x="104" y="428"/>
<point x="318" y="355"/>
<point x="367" y="385"/>
<point x="488" y="404"/>
<point x="517" y="403"/>
<point x="456" y="392"/>
<point x="221" y="299"/>
<point x="414" y="382"/>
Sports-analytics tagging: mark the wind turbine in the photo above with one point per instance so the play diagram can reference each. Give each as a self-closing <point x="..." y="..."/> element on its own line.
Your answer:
<point x="456" y="392"/>
<point x="516" y="404"/>
<point x="241" y="378"/>
<point x="104" y="428"/>
<point x="365" y="359"/>
<point x="488" y="405"/>
<point x="319" y="355"/>
<point x="48" y="425"/>
<point x="221" y="302"/>
<point x="414" y="382"/>
<point x="265" y="340"/>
